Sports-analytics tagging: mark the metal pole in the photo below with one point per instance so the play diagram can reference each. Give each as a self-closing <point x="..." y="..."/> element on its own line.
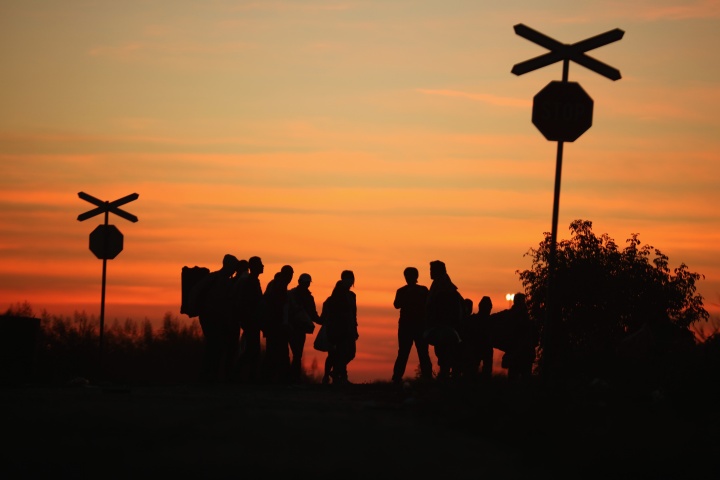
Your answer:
<point x="102" y="295"/>
<point x="550" y="331"/>
<point x="549" y="340"/>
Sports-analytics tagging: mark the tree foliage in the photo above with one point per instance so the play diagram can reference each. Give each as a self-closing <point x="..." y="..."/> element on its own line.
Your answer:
<point x="67" y="347"/>
<point x="602" y="293"/>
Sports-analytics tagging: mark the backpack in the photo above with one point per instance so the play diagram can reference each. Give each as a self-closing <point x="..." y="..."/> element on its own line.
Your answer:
<point x="327" y="312"/>
<point x="189" y="302"/>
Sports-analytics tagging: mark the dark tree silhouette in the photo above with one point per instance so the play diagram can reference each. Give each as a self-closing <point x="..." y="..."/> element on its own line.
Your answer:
<point x="603" y="293"/>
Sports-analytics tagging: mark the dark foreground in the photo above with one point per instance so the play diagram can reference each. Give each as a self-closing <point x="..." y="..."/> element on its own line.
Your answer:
<point x="368" y="431"/>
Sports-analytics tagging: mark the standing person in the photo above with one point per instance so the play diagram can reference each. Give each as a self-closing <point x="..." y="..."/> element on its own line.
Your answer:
<point x="466" y="329"/>
<point x="249" y="296"/>
<point x="302" y="317"/>
<point x="444" y="311"/>
<point x="520" y="356"/>
<point x="233" y="339"/>
<point x="410" y="299"/>
<point x="214" y="296"/>
<point x="484" y="341"/>
<point x="477" y="346"/>
<point x="275" y="330"/>
<point x="339" y="314"/>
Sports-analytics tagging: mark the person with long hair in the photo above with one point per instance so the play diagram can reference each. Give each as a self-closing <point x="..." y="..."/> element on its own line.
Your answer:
<point x="339" y="314"/>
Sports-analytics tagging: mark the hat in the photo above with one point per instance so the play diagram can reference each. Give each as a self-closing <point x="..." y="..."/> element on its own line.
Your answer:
<point x="304" y="278"/>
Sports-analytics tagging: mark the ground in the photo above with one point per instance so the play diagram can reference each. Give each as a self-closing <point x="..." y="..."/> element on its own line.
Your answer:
<point x="368" y="431"/>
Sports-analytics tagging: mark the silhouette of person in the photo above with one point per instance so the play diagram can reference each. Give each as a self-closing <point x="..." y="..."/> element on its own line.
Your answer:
<point x="444" y="311"/>
<point x="465" y="361"/>
<point x="340" y="317"/>
<point x="483" y="338"/>
<point x="520" y="356"/>
<point x="249" y="297"/>
<point x="275" y="329"/>
<point x="242" y="271"/>
<point x="477" y="346"/>
<point x="300" y="303"/>
<point x="214" y="293"/>
<point x="410" y="299"/>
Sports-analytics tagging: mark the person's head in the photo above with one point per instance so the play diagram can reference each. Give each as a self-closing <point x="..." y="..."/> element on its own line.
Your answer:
<point x="519" y="300"/>
<point x="242" y="267"/>
<point x="437" y="269"/>
<point x="229" y="264"/>
<point x="485" y="305"/>
<point x="256" y="265"/>
<point x="348" y="278"/>
<point x="411" y="275"/>
<point x="304" y="280"/>
<point x="287" y="273"/>
<point x="468" y="306"/>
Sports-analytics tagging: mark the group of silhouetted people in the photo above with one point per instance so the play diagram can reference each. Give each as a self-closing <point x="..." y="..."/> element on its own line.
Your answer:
<point x="234" y="312"/>
<point x="463" y="341"/>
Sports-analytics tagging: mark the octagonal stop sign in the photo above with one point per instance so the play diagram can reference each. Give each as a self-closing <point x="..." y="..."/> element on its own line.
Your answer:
<point x="562" y="111"/>
<point x="106" y="241"/>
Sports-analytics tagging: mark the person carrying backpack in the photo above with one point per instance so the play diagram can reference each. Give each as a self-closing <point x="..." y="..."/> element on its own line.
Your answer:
<point x="215" y="305"/>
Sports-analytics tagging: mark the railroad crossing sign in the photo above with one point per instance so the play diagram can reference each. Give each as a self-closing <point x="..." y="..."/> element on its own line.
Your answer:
<point x="566" y="52"/>
<point x="562" y="111"/>
<point x="106" y="242"/>
<point x="105" y="207"/>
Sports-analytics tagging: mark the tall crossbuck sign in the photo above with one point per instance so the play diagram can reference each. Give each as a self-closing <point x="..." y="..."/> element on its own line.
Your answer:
<point x="562" y="111"/>
<point x="561" y="51"/>
<point x="106" y="241"/>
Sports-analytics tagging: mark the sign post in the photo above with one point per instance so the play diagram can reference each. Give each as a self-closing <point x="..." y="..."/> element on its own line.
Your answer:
<point x="562" y="111"/>
<point x="106" y="241"/>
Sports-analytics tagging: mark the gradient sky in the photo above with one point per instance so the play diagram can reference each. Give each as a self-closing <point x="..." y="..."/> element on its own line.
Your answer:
<point x="362" y="135"/>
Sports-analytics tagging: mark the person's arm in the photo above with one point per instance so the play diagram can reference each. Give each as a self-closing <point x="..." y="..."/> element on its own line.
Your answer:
<point x="312" y="309"/>
<point x="397" y="303"/>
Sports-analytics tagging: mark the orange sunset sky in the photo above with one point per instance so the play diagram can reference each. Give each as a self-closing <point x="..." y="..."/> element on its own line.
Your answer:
<point x="332" y="135"/>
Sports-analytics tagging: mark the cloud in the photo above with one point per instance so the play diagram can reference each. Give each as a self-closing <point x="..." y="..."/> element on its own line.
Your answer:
<point x="654" y="10"/>
<point x="479" y="97"/>
<point x="141" y="50"/>
<point x="293" y="6"/>
<point x="702" y="9"/>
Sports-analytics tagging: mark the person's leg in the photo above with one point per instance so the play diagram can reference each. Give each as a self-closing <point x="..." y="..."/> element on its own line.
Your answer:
<point x="213" y="348"/>
<point x="486" y="357"/>
<point x="443" y="362"/>
<point x="329" y="360"/>
<point x="405" y="341"/>
<point x="297" y="345"/>
<point x="250" y="358"/>
<point x="423" y="352"/>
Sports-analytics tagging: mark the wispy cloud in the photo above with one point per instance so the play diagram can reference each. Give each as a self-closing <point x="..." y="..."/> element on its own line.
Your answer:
<point x="143" y="49"/>
<point x="479" y="97"/>
<point x="653" y="10"/>
<point x="702" y="9"/>
<point x="294" y="6"/>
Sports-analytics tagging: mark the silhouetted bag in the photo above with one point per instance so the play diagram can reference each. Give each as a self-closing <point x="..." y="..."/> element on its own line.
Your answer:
<point x="301" y="322"/>
<point x="441" y="335"/>
<point x="321" y="342"/>
<point x="190" y="304"/>
<point x="296" y="316"/>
